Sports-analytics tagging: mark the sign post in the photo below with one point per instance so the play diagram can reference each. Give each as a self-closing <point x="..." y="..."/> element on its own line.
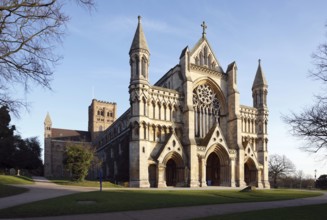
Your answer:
<point x="100" y="178"/>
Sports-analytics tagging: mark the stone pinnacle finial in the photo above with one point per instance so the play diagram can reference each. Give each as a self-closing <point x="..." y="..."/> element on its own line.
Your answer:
<point x="259" y="61"/>
<point x="204" y="27"/>
<point x="139" y="41"/>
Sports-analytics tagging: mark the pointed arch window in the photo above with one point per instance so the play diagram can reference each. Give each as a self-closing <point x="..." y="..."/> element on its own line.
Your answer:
<point x="201" y="59"/>
<point x="206" y="109"/>
<point x="144" y="67"/>
<point x="144" y="107"/>
<point x="137" y="65"/>
<point x="205" y="51"/>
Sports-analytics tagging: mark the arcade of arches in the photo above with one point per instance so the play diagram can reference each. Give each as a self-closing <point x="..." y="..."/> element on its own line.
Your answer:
<point x="216" y="170"/>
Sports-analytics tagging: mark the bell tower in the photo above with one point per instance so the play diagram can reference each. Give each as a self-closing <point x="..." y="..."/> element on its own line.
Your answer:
<point x="47" y="126"/>
<point x="259" y="95"/>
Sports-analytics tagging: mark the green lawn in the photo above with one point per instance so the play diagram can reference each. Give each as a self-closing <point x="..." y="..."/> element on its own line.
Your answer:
<point x="6" y="190"/>
<point x="316" y="212"/>
<point x="85" y="183"/>
<point x="7" y="179"/>
<point x="122" y="200"/>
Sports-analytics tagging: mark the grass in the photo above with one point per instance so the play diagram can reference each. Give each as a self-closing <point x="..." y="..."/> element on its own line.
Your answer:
<point x="123" y="200"/>
<point x="309" y="212"/>
<point x="6" y="190"/>
<point x="85" y="183"/>
<point x="7" y="179"/>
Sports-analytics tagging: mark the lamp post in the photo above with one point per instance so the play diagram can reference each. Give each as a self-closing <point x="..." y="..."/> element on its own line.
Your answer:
<point x="315" y="174"/>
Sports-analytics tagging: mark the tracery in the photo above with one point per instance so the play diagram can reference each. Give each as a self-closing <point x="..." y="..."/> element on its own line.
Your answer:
<point x="206" y="109"/>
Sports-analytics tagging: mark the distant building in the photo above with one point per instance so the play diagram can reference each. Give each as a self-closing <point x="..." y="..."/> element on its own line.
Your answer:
<point x="101" y="116"/>
<point x="188" y="129"/>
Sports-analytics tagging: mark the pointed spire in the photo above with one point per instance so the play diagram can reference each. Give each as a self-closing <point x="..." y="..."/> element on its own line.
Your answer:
<point x="260" y="79"/>
<point x="47" y="119"/>
<point x="139" y="41"/>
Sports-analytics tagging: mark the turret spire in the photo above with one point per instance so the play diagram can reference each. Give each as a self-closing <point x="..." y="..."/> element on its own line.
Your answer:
<point x="139" y="41"/>
<point x="259" y="89"/>
<point x="260" y="79"/>
<point x="47" y="119"/>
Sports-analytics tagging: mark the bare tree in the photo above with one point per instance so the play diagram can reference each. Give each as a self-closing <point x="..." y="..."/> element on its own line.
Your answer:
<point x="29" y="32"/>
<point x="311" y="123"/>
<point x="279" y="166"/>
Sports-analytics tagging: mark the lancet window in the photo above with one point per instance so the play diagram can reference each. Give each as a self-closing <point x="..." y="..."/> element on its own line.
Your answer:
<point x="205" y="58"/>
<point x="206" y="109"/>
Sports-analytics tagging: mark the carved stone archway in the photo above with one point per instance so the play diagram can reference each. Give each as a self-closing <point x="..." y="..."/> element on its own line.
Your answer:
<point x="250" y="173"/>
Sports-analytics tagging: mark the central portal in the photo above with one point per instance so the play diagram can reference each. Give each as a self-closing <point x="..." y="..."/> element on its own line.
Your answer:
<point x="213" y="170"/>
<point x="171" y="173"/>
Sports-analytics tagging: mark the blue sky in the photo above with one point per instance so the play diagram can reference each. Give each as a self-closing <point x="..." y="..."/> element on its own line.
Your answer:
<point x="283" y="34"/>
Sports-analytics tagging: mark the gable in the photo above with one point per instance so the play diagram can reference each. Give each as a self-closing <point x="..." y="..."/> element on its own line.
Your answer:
<point x="172" y="145"/>
<point x="249" y="153"/>
<point x="215" y="136"/>
<point x="203" y="55"/>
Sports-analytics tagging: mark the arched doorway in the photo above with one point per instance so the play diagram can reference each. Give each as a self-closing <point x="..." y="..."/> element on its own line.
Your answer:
<point x="153" y="175"/>
<point x="213" y="170"/>
<point x="171" y="172"/>
<point x="250" y="173"/>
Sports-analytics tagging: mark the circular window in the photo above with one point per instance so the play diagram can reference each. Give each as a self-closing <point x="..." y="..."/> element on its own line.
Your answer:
<point x="205" y="94"/>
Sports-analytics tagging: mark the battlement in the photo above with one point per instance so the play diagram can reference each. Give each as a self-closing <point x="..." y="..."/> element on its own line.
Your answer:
<point x="104" y="102"/>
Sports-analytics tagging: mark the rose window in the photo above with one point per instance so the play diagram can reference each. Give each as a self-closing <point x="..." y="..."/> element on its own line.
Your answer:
<point x="205" y="94"/>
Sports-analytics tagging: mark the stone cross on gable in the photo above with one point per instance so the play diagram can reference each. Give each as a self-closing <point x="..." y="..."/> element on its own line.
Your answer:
<point x="204" y="27"/>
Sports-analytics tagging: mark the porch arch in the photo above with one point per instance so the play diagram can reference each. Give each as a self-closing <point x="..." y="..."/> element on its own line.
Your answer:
<point x="251" y="172"/>
<point x="217" y="170"/>
<point x="174" y="169"/>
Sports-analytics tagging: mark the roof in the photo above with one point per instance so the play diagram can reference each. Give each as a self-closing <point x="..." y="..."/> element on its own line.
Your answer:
<point x="72" y="135"/>
<point x="260" y="79"/>
<point x="139" y="41"/>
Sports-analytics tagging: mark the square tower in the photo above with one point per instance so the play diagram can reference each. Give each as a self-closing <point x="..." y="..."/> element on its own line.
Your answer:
<point x="101" y="115"/>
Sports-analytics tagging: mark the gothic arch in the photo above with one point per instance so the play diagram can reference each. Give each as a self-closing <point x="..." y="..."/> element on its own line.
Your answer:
<point x="174" y="169"/>
<point x="221" y="152"/>
<point x="216" y="88"/>
<point x="217" y="160"/>
<point x="175" y="156"/>
<point x="251" y="172"/>
<point x="208" y="105"/>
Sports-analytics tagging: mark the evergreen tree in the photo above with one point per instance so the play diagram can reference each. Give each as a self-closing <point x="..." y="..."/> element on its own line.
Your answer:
<point x="6" y="139"/>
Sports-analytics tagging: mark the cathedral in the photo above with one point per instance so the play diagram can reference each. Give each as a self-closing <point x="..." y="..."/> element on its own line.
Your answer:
<point x="188" y="129"/>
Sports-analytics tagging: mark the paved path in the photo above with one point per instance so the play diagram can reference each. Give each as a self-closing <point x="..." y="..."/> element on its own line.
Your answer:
<point x="43" y="189"/>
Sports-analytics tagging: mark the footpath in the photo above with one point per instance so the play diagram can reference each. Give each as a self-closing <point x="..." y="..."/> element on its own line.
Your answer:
<point x="43" y="189"/>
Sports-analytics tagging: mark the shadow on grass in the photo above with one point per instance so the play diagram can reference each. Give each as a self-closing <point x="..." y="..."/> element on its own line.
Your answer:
<point x="6" y="190"/>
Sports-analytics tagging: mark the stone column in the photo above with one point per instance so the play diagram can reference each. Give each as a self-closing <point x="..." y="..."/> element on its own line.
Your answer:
<point x="240" y="169"/>
<point x="161" y="175"/>
<point x="203" y="172"/>
<point x="232" y="169"/>
<point x="260" y="185"/>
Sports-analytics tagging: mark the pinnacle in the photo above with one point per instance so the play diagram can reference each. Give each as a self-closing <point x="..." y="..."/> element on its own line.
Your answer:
<point x="139" y="40"/>
<point x="260" y="79"/>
